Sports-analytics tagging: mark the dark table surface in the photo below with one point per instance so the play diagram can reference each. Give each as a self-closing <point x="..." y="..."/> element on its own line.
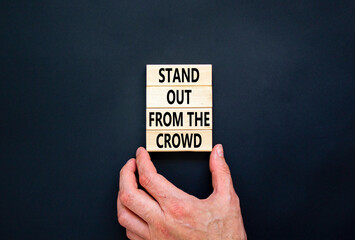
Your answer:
<point x="72" y="100"/>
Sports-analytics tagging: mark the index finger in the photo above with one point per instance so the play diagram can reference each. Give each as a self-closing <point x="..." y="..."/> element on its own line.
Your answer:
<point x="133" y="198"/>
<point x="157" y="185"/>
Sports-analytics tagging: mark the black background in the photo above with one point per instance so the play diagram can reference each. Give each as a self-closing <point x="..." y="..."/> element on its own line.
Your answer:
<point x="73" y="111"/>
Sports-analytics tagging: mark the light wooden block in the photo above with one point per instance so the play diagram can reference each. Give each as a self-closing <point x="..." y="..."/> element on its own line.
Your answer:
<point x="171" y="141"/>
<point x="179" y="119"/>
<point x="180" y="74"/>
<point x="188" y="96"/>
<point x="176" y="95"/>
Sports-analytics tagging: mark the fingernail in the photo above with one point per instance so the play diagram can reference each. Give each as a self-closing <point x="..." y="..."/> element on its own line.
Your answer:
<point x="138" y="151"/>
<point x="220" y="150"/>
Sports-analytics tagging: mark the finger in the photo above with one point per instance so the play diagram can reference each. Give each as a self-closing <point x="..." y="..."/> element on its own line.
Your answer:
<point x="131" y="221"/>
<point x="157" y="185"/>
<point x="133" y="198"/>
<point x="132" y="236"/>
<point x="221" y="176"/>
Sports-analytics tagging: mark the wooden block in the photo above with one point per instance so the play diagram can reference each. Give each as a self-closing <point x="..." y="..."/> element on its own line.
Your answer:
<point x="179" y="118"/>
<point x="179" y="140"/>
<point x="179" y="108"/>
<point x="187" y="96"/>
<point x="179" y="74"/>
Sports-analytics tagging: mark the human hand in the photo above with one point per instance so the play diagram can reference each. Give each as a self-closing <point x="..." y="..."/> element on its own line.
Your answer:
<point x="170" y="213"/>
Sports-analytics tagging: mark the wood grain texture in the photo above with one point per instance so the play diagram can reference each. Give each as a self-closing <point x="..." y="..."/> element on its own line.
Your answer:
<point x="153" y="138"/>
<point x="205" y="74"/>
<point x="198" y="97"/>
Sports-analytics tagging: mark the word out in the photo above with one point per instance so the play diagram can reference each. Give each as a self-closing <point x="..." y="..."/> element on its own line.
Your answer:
<point x="178" y="96"/>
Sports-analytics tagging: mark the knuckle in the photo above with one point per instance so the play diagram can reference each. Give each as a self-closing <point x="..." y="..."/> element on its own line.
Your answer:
<point x="145" y="180"/>
<point x="125" y="197"/>
<point x="162" y="230"/>
<point x="129" y="235"/>
<point x="177" y="209"/>
<point x="232" y="199"/>
<point x="160" y="177"/>
<point x="118" y="196"/>
<point x="122" y="218"/>
<point x="122" y="171"/>
<point x="229" y="196"/>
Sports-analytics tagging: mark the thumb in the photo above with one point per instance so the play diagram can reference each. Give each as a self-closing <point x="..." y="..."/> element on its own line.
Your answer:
<point x="221" y="176"/>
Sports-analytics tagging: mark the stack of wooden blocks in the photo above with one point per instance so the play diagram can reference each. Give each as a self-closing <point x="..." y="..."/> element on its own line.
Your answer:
<point x="179" y="108"/>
